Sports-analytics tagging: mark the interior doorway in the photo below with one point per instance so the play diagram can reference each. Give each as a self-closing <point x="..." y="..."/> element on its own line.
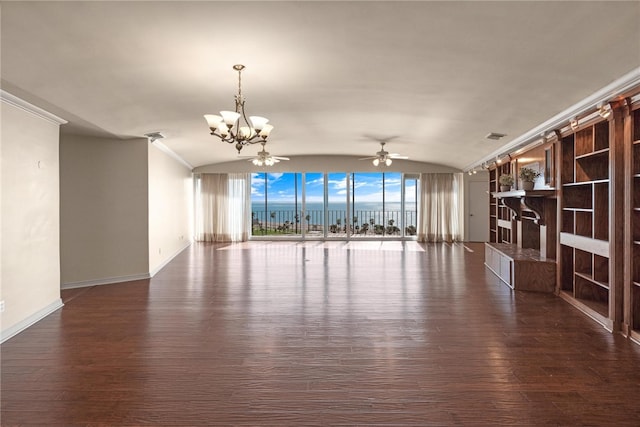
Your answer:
<point x="478" y="213"/>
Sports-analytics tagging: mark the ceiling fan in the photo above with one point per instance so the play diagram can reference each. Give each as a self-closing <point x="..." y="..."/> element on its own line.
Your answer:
<point x="264" y="158"/>
<point x="383" y="156"/>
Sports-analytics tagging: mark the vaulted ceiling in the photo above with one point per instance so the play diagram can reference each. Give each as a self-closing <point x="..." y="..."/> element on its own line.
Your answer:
<point x="331" y="76"/>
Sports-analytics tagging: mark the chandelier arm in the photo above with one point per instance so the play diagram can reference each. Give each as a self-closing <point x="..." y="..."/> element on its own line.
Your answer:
<point x="240" y="108"/>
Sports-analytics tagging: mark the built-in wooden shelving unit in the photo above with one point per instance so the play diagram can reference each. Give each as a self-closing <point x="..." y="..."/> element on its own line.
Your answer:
<point x="522" y="254"/>
<point x="585" y="160"/>
<point x="493" y="206"/>
<point x="581" y="224"/>
<point x="632" y="278"/>
<point x="502" y="228"/>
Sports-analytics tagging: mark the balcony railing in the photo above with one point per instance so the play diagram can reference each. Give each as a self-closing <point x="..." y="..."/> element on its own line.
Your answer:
<point x="363" y="223"/>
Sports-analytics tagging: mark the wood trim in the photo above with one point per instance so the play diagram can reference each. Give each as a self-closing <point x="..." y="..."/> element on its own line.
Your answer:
<point x="605" y="322"/>
<point x="627" y="309"/>
<point x="619" y="110"/>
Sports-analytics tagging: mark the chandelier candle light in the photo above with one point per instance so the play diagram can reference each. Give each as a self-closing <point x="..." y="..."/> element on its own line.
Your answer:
<point x="234" y="127"/>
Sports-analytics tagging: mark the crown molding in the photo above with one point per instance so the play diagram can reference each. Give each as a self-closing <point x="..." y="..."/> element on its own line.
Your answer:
<point x="30" y="108"/>
<point x="620" y="87"/>
<point x="160" y="146"/>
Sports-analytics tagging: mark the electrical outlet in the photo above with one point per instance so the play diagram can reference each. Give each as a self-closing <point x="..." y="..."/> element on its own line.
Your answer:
<point x="2" y="306"/>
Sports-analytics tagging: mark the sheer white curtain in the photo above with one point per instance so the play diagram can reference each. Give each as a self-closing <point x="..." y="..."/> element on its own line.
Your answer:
<point x="441" y="207"/>
<point x="223" y="207"/>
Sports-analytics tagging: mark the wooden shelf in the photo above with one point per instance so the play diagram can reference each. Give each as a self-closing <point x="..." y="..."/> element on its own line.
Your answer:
<point x="632" y="261"/>
<point x="596" y="181"/>
<point x="541" y="192"/>
<point x="577" y="209"/>
<point x="591" y="279"/>
<point x="592" y="154"/>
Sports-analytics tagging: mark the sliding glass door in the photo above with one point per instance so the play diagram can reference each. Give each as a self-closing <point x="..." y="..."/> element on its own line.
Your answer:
<point x="314" y="203"/>
<point x="336" y="196"/>
<point x="410" y="204"/>
<point x="276" y="204"/>
<point x="376" y="201"/>
<point x="334" y="205"/>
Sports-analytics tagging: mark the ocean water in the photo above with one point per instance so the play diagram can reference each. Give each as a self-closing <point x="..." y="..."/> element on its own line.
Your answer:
<point x="366" y="212"/>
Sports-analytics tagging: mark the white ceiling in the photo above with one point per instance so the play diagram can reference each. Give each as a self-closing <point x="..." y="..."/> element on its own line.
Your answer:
<point x="440" y="75"/>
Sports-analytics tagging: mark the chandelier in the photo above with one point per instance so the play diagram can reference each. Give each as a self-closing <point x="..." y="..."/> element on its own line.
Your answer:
<point x="234" y="127"/>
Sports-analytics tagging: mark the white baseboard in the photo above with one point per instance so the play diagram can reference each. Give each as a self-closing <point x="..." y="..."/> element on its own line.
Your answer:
<point x="104" y="281"/>
<point x="168" y="260"/>
<point x="120" y="279"/>
<point x="35" y="317"/>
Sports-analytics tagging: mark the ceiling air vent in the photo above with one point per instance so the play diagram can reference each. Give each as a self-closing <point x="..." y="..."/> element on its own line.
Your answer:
<point x="496" y="136"/>
<point x="154" y="136"/>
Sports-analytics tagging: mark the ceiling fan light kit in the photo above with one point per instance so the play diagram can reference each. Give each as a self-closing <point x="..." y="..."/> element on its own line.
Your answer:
<point x="264" y="158"/>
<point x="234" y="127"/>
<point x="383" y="157"/>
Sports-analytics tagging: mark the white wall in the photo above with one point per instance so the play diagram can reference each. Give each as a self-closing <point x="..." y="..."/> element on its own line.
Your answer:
<point x="170" y="208"/>
<point x="30" y="254"/>
<point x="104" y="210"/>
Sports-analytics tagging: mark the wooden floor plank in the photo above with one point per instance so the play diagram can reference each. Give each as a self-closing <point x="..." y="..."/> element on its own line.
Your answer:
<point x="291" y="333"/>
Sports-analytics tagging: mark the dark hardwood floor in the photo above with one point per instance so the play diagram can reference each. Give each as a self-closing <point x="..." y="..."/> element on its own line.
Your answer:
<point x="319" y="333"/>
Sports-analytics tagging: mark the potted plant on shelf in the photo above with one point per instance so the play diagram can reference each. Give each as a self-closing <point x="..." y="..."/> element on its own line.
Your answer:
<point x="506" y="181"/>
<point x="528" y="176"/>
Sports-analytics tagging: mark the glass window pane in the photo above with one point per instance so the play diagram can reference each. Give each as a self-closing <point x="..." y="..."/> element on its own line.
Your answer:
<point x="336" y="203"/>
<point x="276" y="204"/>
<point x="410" y="206"/>
<point x="367" y="204"/>
<point x="392" y="203"/>
<point x="284" y="203"/>
<point x="314" y="204"/>
<point x="258" y="204"/>
<point x="373" y="205"/>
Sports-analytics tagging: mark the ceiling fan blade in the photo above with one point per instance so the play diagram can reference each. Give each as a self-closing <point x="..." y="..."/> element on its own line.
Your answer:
<point x="380" y="138"/>
<point x="398" y="156"/>
<point x="280" y="158"/>
<point x="369" y="158"/>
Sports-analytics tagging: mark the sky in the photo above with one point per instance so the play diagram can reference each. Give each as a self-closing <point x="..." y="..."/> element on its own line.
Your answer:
<point x="367" y="187"/>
